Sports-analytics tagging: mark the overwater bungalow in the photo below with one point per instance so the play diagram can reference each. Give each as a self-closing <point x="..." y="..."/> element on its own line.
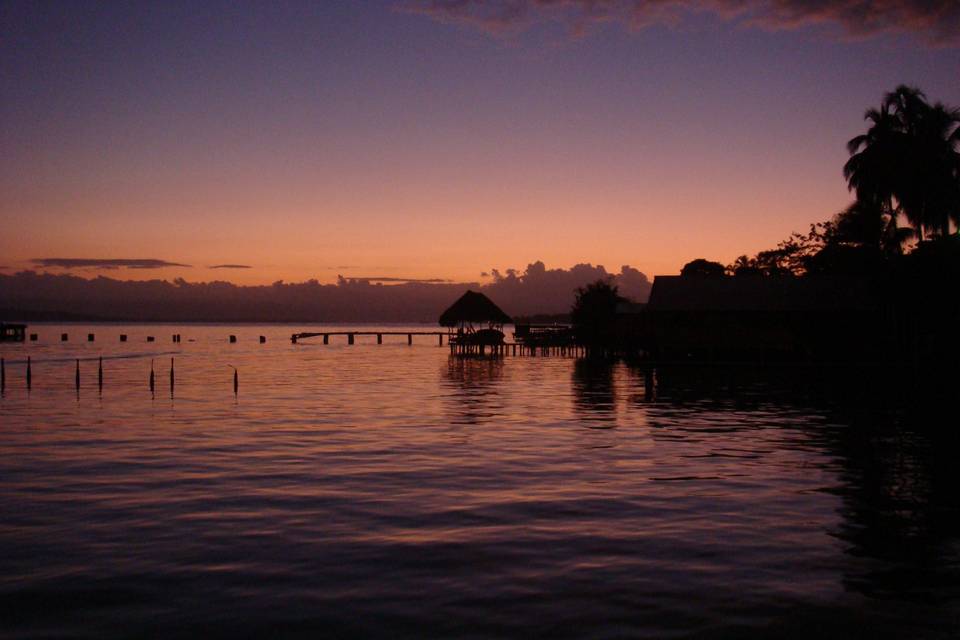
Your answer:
<point x="474" y="321"/>
<point x="10" y="332"/>
<point x="761" y="318"/>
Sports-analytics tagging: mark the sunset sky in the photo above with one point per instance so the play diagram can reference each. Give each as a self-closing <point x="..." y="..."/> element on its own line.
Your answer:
<point x="437" y="139"/>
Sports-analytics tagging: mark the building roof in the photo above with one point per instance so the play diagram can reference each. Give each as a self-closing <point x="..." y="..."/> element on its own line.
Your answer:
<point x="759" y="293"/>
<point x="473" y="307"/>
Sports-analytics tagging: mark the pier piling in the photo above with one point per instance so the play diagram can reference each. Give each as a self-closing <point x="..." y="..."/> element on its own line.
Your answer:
<point x="233" y="339"/>
<point x="123" y="337"/>
<point x="77" y="376"/>
<point x="349" y="338"/>
<point x="151" y="377"/>
<point x="90" y="337"/>
<point x="100" y="374"/>
<point x="171" y="377"/>
<point x="29" y="374"/>
<point x="263" y="339"/>
<point x="64" y="337"/>
<point x="379" y="338"/>
<point x="3" y="376"/>
<point x="236" y="381"/>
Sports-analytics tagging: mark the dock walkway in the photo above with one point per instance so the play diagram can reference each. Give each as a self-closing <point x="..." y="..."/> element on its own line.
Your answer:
<point x="506" y="348"/>
<point x="295" y="338"/>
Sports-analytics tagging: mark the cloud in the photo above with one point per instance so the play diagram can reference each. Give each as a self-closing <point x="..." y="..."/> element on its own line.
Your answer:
<point x="105" y="263"/>
<point x="393" y="279"/>
<point x="230" y="266"/>
<point x="538" y="289"/>
<point x="933" y="20"/>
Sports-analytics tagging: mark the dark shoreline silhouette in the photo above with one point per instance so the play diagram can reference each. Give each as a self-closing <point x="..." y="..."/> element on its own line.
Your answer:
<point x="32" y="297"/>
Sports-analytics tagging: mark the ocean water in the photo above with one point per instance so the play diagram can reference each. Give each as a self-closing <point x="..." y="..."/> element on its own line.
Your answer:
<point x="396" y="491"/>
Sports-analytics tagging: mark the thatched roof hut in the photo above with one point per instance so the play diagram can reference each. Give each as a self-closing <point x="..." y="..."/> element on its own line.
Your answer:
<point x="473" y="307"/>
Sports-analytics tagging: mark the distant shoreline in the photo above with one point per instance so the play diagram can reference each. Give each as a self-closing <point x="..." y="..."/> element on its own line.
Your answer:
<point x="291" y="323"/>
<point x="58" y="317"/>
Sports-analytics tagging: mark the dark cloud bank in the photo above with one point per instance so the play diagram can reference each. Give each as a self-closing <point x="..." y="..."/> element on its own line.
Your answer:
<point x="933" y="20"/>
<point x="30" y="295"/>
<point x="105" y="263"/>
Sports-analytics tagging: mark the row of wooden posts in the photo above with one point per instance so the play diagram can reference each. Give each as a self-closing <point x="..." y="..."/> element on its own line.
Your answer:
<point x="457" y="345"/>
<point x="515" y="348"/>
<point x="151" y="384"/>
<point x="91" y="337"/>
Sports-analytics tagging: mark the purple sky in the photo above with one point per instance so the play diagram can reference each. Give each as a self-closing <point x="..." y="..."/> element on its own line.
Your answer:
<point x="437" y="139"/>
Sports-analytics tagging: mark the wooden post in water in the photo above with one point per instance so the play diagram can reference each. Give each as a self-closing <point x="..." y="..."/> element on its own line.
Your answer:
<point x="171" y="377"/>
<point x="379" y="338"/>
<point x="236" y="381"/>
<point x="77" y="376"/>
<point x="64" y="337"/>
<point x="326" y="338"/>
<point x="409" y="338"/>
<point x="33" y="337"/>
<point x="29" y="374"/>
<point x="349" y="338"/>
<point x="100" y="375"/>
<point x="123" y="337"/>
<point x="439" y="339"/>
<point x="263" y="339"/>
<point x="233" y="339"/>
<point x="150" y="338"/>
<point x="90" y="337"/>
<point x="151" y="376"/>
<point x="3" y="376"/>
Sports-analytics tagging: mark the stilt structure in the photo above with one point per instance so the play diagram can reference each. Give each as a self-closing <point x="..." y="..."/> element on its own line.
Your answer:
<point x="474" y="323"/>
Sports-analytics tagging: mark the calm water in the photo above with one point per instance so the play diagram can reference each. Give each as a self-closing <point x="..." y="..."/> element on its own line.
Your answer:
<point x="395" y="491"/>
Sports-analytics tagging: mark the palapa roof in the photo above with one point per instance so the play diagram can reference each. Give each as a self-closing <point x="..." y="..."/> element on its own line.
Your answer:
<point x="473" y="307"/>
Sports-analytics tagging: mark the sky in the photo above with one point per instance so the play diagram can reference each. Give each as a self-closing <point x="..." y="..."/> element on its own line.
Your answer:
<point x="263" y="141"/>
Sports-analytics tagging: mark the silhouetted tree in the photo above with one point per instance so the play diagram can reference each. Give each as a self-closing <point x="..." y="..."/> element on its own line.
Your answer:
<point x="869" y="224"/>
<point x="907" y="162"/>
<point x="594" y="313"/>
<point x="703" y="268"/>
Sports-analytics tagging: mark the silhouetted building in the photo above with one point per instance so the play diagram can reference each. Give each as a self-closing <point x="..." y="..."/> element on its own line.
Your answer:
<point x="761" y="318"/>
<point x="474" y="319"/>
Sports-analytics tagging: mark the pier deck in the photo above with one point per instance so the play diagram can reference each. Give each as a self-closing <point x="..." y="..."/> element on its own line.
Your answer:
<point x="295" y="338"/>
<point x="505" y="348"/>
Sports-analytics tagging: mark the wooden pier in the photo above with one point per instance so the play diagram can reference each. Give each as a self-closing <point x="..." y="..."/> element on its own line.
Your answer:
<point x="351" y="335"/>
<point x="456" y="346"/>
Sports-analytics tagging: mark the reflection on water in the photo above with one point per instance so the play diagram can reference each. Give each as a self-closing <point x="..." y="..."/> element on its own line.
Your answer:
<point x="475" y="384"/>
<point x="594" y="398"/>
<point x="390" y="490"/>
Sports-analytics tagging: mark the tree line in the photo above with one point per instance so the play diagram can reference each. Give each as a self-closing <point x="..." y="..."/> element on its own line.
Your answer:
<point x="904" y="172"/>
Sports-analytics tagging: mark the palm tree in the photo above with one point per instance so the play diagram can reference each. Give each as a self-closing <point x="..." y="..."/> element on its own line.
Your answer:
<point x="936" y="167"/>
<point x="907" y="162"/>
<point x="869" y="224"/>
